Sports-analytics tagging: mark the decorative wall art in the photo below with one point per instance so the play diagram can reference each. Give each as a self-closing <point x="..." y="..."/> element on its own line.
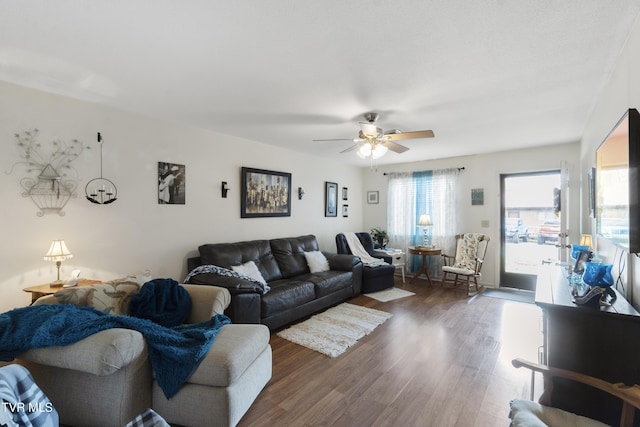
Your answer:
<point x="265" y="193"/>
<point x="52" y="181"/>
<point x="171" y="184"/>
<point x="477" y="196"/>
<point x="331" y="199"/>
<point x="345" y="193"/>
<point x="372" y="197"/>
<point x="345" y="210"/>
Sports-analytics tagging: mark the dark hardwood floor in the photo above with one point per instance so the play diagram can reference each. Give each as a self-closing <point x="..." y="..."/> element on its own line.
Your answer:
<point x="443" y="359"/>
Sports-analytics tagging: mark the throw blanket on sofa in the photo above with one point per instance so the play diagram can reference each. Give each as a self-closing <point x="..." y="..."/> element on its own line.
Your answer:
<point x="356" y="248"/>
<point x="162" y="301"/>
<point x="210" y="268"/>
<point x="174" y="353"/>
<point x="24" y="404"/>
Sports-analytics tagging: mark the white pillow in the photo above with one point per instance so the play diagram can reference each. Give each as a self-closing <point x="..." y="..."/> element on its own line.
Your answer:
<point x="250" y="269"/>
<point x="316" y="261"/>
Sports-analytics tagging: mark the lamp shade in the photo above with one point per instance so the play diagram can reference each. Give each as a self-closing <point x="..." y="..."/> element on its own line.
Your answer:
<point x="58" y="251"/>
<point x="425" y="220"/>
<point x="585" y="240"/>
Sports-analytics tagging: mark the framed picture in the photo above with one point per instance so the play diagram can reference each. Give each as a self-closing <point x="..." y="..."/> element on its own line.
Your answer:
<point x="171" y="183"/>
<point x="372" y="197"/>
<point x="581" y="260"/>
<point x="330" y="199"/>
<point x="264" y="193"/>
<point x="345" y="210"/>
<point x="345" y="193"/>
<point x="477" y="196"/>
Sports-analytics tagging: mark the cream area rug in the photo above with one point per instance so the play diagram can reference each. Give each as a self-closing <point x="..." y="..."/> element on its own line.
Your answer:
<point x="389" y="294"/>
<point x="333" y="331"/>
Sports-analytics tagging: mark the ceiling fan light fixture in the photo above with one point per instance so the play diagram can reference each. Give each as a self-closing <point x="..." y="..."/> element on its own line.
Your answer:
<point x="365" y="150"/>
<point x="378" y="151"/>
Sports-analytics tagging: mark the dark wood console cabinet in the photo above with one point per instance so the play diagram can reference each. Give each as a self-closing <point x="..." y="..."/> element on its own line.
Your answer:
<point x="603" y="342"/>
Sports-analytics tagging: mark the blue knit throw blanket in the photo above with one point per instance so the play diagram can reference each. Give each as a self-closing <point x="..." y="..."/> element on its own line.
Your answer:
<point x="175" y="353"/>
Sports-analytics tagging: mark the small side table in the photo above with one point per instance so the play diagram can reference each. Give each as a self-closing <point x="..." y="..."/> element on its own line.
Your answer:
<point x="49" y="289"/>
<point x="425" y="252"/>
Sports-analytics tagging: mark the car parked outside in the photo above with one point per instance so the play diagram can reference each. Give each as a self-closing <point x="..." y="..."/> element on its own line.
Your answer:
<point x="549" y="231"/>
<point x="515" y="230"/>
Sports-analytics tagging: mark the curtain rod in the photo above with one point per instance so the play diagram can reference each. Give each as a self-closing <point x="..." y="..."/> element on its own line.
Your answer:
<point x="387" y="173"/>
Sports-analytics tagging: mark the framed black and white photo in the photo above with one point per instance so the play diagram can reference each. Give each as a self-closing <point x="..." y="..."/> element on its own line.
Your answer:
<point x="372" y="197"/>
<point x="345" y="193"/>
<point x="345" y="210"/>
<point x="477" y="196"/>
<point x="331" y="199"/>
<point x="264" y="193"/>
<point x="171" y="184"/>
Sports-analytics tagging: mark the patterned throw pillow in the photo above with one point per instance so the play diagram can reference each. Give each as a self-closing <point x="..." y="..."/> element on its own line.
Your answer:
<point x="111" y="297"/>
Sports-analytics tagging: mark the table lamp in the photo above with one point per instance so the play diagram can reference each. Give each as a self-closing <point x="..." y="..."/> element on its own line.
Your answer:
<point x="58" y="252"/>
<point x="585" y="240"/>
<point x="425" y="221"/>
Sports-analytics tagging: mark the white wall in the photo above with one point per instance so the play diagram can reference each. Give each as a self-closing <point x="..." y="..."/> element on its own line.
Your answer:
<point x="136" y="232"/>
<point x="483" y="171"/>
<point x="620" y="93"/>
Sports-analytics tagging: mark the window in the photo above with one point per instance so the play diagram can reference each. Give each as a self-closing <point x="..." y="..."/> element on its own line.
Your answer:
<point x="411" y="194"/>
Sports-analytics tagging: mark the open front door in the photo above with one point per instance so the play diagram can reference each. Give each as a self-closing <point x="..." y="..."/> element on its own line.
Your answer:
<point x="531" y="224"/>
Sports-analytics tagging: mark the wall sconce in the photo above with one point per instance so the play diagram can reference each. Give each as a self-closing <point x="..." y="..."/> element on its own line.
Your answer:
<point x="300" y="193"/>
<point x="225" y="189"/>
<point x="101" y="191"/>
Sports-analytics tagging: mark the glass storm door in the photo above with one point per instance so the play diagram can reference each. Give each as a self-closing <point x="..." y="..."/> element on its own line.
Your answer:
<point x="531" y="224"/>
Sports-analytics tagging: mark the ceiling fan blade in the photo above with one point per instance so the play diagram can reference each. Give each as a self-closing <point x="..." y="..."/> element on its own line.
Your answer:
<point x="410" y="135"/>
<point x="395" y="147"/>
<point x="353" y="147"/>
<point x="340" y="139"/>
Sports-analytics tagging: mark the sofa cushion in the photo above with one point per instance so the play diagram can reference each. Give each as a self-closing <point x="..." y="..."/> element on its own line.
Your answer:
<point x="111" y="297"/>
<point x="328" y="282"/>
<point x="289" y="253"/>
<point x="236" y="347"/>
<point x="229" y="254"/>
<point x="286" y="294"/>
<point x="102" y="353"/>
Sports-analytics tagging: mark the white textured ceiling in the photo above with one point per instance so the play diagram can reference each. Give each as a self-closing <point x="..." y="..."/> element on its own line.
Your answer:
<point x="484" y="75"/>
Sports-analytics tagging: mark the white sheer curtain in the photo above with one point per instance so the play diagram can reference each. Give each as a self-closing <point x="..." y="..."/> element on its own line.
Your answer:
<point x="430" y="192"/>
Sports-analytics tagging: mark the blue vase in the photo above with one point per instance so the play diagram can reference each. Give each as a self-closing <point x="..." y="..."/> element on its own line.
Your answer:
<point x="598" y="274"/>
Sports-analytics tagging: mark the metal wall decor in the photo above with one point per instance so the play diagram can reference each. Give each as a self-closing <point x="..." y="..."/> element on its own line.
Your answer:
<point x="52" y="188"/>
<point x="101" y="191"/>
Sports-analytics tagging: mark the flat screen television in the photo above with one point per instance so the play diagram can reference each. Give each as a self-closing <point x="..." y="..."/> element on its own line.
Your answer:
<point x="617" y="184"/>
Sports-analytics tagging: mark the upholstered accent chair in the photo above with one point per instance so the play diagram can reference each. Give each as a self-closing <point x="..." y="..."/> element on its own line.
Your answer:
<point x="374" y="278"/>
<point x="464" y="267"/>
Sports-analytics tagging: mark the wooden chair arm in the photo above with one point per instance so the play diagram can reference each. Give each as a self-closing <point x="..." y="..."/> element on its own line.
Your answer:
<point x="448" y="259"/>
<point x="630" y="395"/>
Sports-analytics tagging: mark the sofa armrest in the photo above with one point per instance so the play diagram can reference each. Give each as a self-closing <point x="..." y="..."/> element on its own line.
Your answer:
<point x="341" y="262"/>
<point x="206" y="301"/>
<point x="102" y="353"/>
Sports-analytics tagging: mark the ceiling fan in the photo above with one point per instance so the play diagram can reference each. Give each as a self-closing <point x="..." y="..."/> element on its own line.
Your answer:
<point x="374" y="142"/>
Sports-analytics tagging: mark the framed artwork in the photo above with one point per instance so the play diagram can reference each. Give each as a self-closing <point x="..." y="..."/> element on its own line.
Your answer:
<point x="330" y="199"/>
<point x="171" y="184"/>
<point x="345" y="210"/>
<point x="581" y="260"/>
<point x="345" y="193"/>
<point x="372" y="197"/>
<point x="477" y="196"/>
<point x="264" y="193"/>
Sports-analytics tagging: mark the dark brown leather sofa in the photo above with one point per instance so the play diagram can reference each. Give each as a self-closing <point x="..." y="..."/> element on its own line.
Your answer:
<point x="295" y="292"/>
